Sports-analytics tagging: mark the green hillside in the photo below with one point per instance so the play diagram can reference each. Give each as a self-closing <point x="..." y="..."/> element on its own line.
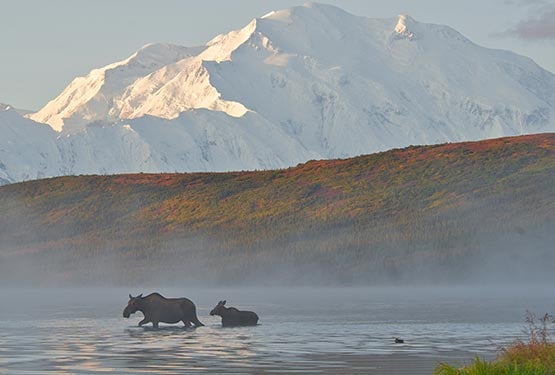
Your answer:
<point x="420" y="213"/>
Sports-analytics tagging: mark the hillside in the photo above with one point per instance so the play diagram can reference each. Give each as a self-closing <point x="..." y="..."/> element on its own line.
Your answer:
<point x="395" y="215"/>
<point x="307" y="82"/>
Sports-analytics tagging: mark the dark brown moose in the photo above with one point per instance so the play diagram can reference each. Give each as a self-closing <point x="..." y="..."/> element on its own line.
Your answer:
<point x="232" y="317"/>
<point x="157" y="308"/>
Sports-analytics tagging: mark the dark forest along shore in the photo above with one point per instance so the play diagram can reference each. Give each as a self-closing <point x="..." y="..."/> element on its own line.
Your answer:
<point x="157" y="308"/>
<point x="233" y="317"/>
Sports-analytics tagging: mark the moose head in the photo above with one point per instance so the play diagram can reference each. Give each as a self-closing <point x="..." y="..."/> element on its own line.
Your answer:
<point x="134" y="305"/>
<point x="219" y="309"/>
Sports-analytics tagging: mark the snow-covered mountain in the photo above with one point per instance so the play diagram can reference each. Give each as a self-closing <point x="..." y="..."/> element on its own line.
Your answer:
<point x="307" y="82"/>
<point x="28" y="150"/>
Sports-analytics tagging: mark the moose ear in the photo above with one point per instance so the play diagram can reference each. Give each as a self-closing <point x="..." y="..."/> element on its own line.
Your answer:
<point x="130" y="296"/>
<point x="140" y="295"/>
<point x="223" y="302"/>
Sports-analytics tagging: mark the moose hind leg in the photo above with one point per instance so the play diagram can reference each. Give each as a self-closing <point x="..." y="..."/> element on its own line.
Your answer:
<point x="197" y="322"/>
<point x="187" y="323"/>
<point x="155" y="324"/>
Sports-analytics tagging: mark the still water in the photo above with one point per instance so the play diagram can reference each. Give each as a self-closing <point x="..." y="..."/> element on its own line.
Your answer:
<point x="333" y="331"/>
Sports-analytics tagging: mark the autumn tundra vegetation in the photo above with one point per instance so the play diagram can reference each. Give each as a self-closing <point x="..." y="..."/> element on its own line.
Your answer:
<point x="443" y="212"/>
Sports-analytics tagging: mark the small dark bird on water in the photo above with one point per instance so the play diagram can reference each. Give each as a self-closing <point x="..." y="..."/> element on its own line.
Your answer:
<point x="398" y="340"/>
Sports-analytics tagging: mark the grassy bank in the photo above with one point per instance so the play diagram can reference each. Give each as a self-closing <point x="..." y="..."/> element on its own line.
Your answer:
<point x="533" y="357"/>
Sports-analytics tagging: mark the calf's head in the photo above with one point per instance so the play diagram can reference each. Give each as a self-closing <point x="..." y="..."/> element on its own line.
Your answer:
<point x="220" y="307"/>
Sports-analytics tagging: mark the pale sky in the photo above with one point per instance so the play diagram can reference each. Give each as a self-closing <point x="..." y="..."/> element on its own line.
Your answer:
<point x="45" y="44"/>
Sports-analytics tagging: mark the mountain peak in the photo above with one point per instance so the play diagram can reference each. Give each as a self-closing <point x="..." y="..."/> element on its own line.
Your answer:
<point x="405" y="26"/>
<point x="90" y="98"/>
<point x="309" y="9"/>
<point x="153" y="53"/>
<point x="221" y="47"/>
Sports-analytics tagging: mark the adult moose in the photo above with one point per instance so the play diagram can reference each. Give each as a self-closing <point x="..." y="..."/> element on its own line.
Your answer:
<point x="232" y="317"/>
<point x="157" y="308"/>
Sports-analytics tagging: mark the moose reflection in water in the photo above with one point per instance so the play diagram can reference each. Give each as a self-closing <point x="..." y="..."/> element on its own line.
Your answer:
<point x="232" y="317"/>
<point x="157" y="308"/>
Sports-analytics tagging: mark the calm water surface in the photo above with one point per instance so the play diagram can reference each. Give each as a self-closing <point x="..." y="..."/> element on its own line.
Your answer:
<point x="82" y="331"/>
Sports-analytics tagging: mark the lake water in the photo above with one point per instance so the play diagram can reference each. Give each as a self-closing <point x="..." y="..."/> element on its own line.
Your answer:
<point x="333" y="331"/>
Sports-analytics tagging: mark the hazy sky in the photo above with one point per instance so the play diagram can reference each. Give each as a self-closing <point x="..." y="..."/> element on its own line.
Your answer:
<point x="45" y="44"/>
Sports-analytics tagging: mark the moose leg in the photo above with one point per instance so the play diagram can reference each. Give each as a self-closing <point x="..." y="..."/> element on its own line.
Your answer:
<point x="187" y="323"/>
<point x="197" y="322"/>
<point x="144" y="321"/>
<point x="155" y="324"/>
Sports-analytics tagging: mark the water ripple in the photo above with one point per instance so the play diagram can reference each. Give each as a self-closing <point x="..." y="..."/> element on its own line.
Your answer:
<point x="62" y="334"/>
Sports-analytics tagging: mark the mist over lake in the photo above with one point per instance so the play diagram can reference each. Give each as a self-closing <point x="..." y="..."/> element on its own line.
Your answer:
<point x="319" y="330"/>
